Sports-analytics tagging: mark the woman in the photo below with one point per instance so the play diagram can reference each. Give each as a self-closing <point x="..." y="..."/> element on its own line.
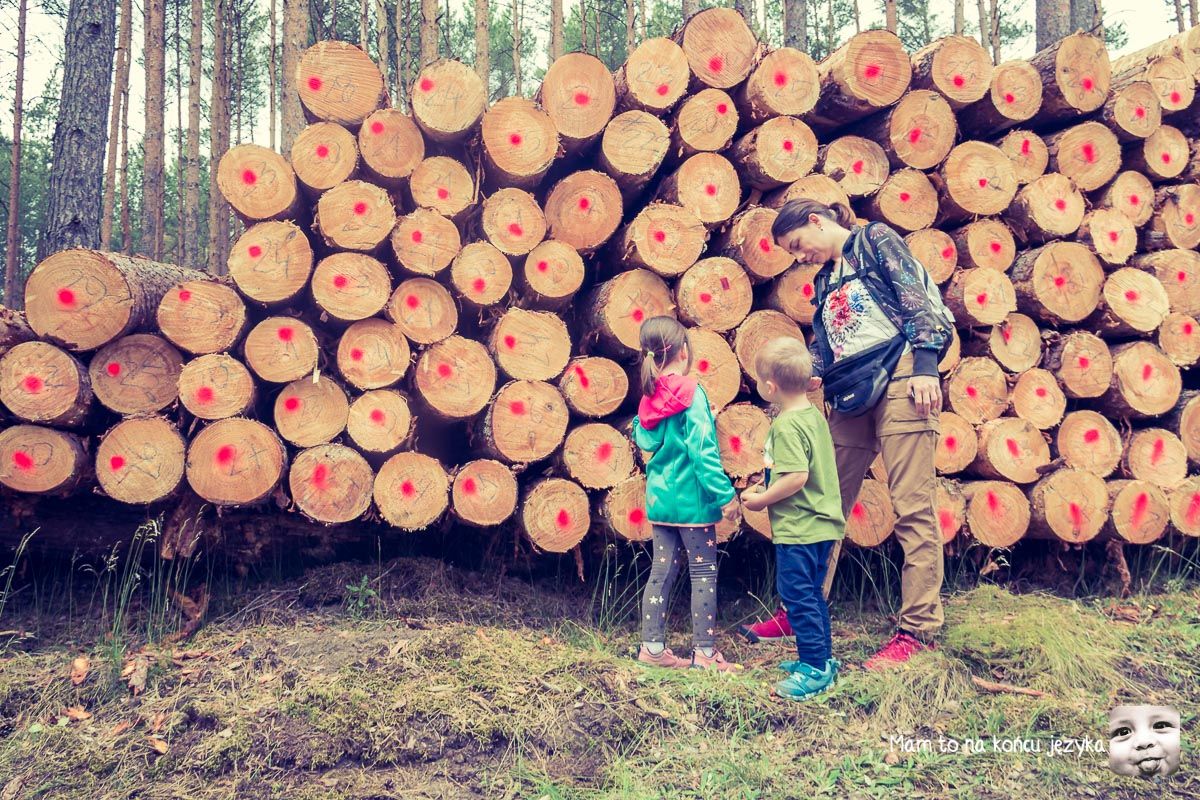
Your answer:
<point x="872" y="293"/>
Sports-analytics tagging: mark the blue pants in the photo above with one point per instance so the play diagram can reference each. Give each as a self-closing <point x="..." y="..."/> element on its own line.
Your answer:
<point x="799" y="578"/>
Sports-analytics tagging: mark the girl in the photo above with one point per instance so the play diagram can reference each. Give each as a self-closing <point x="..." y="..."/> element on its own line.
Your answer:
<point x="686" y="491"/>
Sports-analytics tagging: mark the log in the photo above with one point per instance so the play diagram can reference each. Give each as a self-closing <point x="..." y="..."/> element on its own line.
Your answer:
<point x="953" y="354"/>
<point x="1081" y="362"/>
<point x="1070" y="505"/>
<point x="1028" y="153"/>
<point x="1057" y="284"/>
<point x="714" y="293"/>
<point x="1185" y="420"/>
<point x="624" y="510"/>
<point x="331" y="484"/>
<point x="985" y="243"/>
<point x="37" y="460"/>
<point x="372" y="354"/>
<point x="1087" y="441"/>
<point x="951" y="508"/>
<point x="776" y="153"/>
<point x="936" y="251"/>
<point x="784" y="84"/>
<point x="1184" y="502"/>
<point x="719" y="46"/>
<point x="481" y="274"/>
<point x="281" y="350"/>
<point x="1161" y="156"/>
<point x="759" y="328"/>
<point x="703" y="123"/>
<point x="484" y="493"/>
<point x="956" y="66"/>
<point x="84" y="299"/>
<point x="425" y="242"/>
<point x="1014" y="343"/>
<point x="664" y="238"/>
<point x="13" y="329"/>
<point x="1179" y="273"/>
<point x="917" y="132"/>
<point x="138" y="374"/>
<point x="1109" y="234"/>
<point x="597" y="456"/>
<point x="1037" y="399"/>
<point x="1179" y="338"/>
<point x="423" y="310"/>
<point x="792" y="293"/>
<point x="140" y="460"/>
<point x="741" y="435"/>
<point x="907" y="201"/>
<point x="632" y="149"/>
<point x="810" y="187"/>
<point x="1132" y="194"/>
<point x="443" y="184"/>
<point x="1133" y="303"/>
<point x="339" y="83"/>
<point x="551" y="275"/>
<point x="748" y="241"/>
<point x="271" y="263"/>
<point x="1133" y="112"/>
<point x="1076" y="76"/>
<point x="618" y="307"/>
<point x="235" y="462"/>
<point x="448" y="101"/>
<point x="391" y="147"/>
<point x="872" y="518"/>
<point x="455" y="378"/>
<point x="957" y="444"/>
<point x="707" y="185"/>
<point x="412" y="491"/>
<point x="520" y="143"/>
<point x="526" y="422"/>
<point x="555" y="515"/>
<point x="980" y="296"/>
<point x="858" y="165"/>
<point x="1176" y="220"/>
<point x="976" y="179"/>
<point x="530" y="345"/>
<point x="594" y="386"/>
<point x="1139" y="512"/>
<point x="653" y="78"/>
<point x="355" y="215"/>
<point x="869" y="72"/>
<point x="348" y="287"/>
<point x="308" y="413"/>
<point x="1173" y="82"/>
<point x="324" y="155"/>
<point x="756" y="521"/>
<point x="258" y="183"/>
<point x="1144" y="383"/>
<point x="380" y="423"/>
<point x="1014" y="96"/>
<point x="1088" y="153"/>
<point x="584" y="210"/>
<point x="579" y="95"/>
<point x="977" y="390"/>
<point x="202" y="317"/>
<point x="512" y="221"/>
<point x="41" y="383"/>
<point x="216" y="386"/>
<point x="1154" y="455"/>
<point x="1010" y="449"/>
<point x="716" y="367"/>
<point x="998" y="513"/>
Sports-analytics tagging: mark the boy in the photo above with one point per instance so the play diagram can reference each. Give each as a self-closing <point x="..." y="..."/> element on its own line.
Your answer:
<point x="805" y="508"/>
<point x="1143" y="741"/>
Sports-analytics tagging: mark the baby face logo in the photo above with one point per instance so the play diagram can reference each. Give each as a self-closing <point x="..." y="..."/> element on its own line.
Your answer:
<point x="1143" y="741"/>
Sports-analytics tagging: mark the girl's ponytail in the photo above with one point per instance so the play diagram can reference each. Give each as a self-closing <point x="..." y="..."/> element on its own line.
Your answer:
<point x="798" y="213"/>
<point x="662" y="339"/>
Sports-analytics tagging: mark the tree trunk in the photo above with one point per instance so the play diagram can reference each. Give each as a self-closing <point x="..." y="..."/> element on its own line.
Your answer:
<point x="1194" y="12"/>
<point x="985" y="25"/>
<point x="483" y="43"/>
<point x="1053" y="21"/>
<point x="151" y="244"/>
<point x="516" y="47"/>
<point x="218" y="209"/>
<point x="1088" y="16"/>
<point x="429" y="31"/>
<point x="191" y="222"/>
<point x="690" y="7"/>
<point x="363" y="27"/>
<point x="295" y="37"/>
<point x="76" y="182"/>
<point x="272" y="76"/>
<point x="630" y="29"/>
<point x="890" y="15"/>
<point x="960" y="20"/>
<point x="120" y="87"/>
<point x="795" y="24"/>
<point x="180" y="243"/>
<point x="556" y="29"/>
<point x="123" y="174"/>
<point x="13" y="240"/>
<point x="995" y="36"/>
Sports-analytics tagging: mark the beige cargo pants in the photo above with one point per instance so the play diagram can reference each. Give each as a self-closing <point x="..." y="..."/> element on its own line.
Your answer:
<point x="908" y="442"/>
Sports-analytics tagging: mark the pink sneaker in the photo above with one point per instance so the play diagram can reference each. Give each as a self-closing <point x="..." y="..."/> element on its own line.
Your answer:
<point x="777" y="627"/>
<point x="717" y="662"/>
<point x="665" y="659"/>
<point x="900" y="648"/>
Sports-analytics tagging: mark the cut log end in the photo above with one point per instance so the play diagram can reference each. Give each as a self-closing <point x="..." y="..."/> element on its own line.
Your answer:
<point x="1132" y="194"/>
<point x="664" y="238"/>
<point x="749" y="242"/>
<point x="1155" y="455"/>
<point x="785" y="83"/>
<point x="339" y="82"/>
<point x="714" y="293"/>
<point x="793" y="293"/>
<point x="1037" y="399"/>
<point x="235" y="462"/>
<point x="444" y="185"/>
<point x="1179" y="338"/>
<point x="707" y="185"/>
<point x="481" y="274"/>
<point x="907" y="200"/>
<point x="936" y="251"/>
<point x="380" y="422"/>
<point x="484" y="493"/>
<point x="519" y="142"/>
<point x="271" y="262"/>
<point x="448" y="100"/>
<point x="704" y="123"/>
<point x="351" y="286"/>
<point x="41" y="383"/>
<point x="1011" y="449"/>
<point x="216" y="386"/>
<point x="551" y="274"/>
<point x="976" y="180"/>
<point x="624" y="509"/>
<point x="373" y="354"/>
<point x="412" y="491"/>
<point x="654" y="77"/>
<point x="1110" y="234"/>
<point x="37" y="460"/>
<point x="998" y="513"/>
<point x="513" y="221"/>
<point x="715" y="366"/>
<point x="919" y="131"/>
<point x="391" y="146"/>
<point x="741" y="436"/>
<point x="281" y="350"/>
<point x="555" y="515"/>
<point x="423" y="310"/>
<point x="593" y="386"/>
<point x="138" y="374"/>
<point x="579" y="95"/>
<point x="1028" y="153"/>
<point x="425" y="242"/>
<point x="1015" y="344"/>
<point x="620" y="306"/>
<point x="455" y="377"/>
<point x="1086" y="440"/>
<point x="633" y="148"/>
<point x="1059" y="283"/>
<point x="1082" y="363"/>
<point x="957" y="444"/>
<point x="759" y="328"/>
<point x="980" y="297"/>
<point x="531" y="345"/>
<point x="584" y="210"/>
<point x="1133" y="112"/>
<point x="784" y="149"/>
<point x="1133" y="303"/>
<point x="140" y="461"/>
<point x="308" y="413"/>
<point x="956" y="66"/>
<point x="202" y="317"/>
<point x="719" y="46"/>
<point x="1089" y="154"/>
<point x="1140" y="512"/>
<point x="977" y="390"/>
<point x="1047" y="208"/>
<point x="324" y="155"/>
<point x="525" y="423"/>
<point x="1184" y="501"/>
<point x="1144" y="382"/>
<point x="597" y="456"/>
<point x="355" y="215"/>
<point x="872" y="517"/>
<point x="331" y="484"/>
<point x="258" y="183"/>
<point x="1070" y="505"/>
<point x="859" y="165"/>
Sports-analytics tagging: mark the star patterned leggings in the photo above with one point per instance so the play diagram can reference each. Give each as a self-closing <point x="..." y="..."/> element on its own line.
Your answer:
<point x="700" y="543"/>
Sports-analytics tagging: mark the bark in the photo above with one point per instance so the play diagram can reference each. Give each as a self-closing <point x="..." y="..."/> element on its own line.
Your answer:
<point x="890" y="15"/>
<point x="795" y="24"/>
<point x="1194" y="12"/>
<point x="995" y="22"/>
<point x="151" y="244"/>
<point x="429" y="31"/>
<point x="985" y="25"/>
<point x="272" y="76"/>
<point x="179" y="10"/>
<point x="123" y="174"/>
<point x="295" y="37"/>
<point x="13" y="240"/>
<point x="630" y="30"/>
<point x="690" y="7"/>
<point x="960" y="20"/>
<point x="363" y="17"/>
<point x="1087" y="16"/>
<point x="1053" y="21"/>
<point x="218" y="209"/>
<point x="556" y="28"/>
<point x="516" y="49"/>
<point x="403" y="50"/>
<point x="381" y="41"/>
<point x="76" y="182"/>
<point x="121" y="86"/>
<point x="1179" y="23"/>
<point x="482" y="44"/>
<point x="191" y="219"/>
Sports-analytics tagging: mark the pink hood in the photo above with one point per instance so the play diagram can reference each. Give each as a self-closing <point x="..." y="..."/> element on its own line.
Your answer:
<point x="672" y="394"/>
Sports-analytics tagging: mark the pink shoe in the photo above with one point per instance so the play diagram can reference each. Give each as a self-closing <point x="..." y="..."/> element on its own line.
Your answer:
<point x="777" y="627"/>
<point x="717" y="662"/>
<point x="898" y="650"/>
<point x="665" y="659"/>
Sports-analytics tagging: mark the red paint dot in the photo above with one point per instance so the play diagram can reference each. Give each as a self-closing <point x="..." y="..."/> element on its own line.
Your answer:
<point x="764" y="245"/>
<point x="1158" y="451"/>
<point x="563" y="519"/>
<point x="1134" y="200"/>
<point x="1005" y="333"/>
<point x="443" y="193"/>
<point x="807" y="290"/>
<point x="582" y="375"/>
<point x="710" y="190"/>
<point x="1166" y="158"/>
<point x="788" y="145"/>
<point x="226" y="453"/>
<point x="360" y="208"/>
<point x="116" y="462"/>
<point x="781" y="79"/>
<point x="1091" y="435"/>
<point x="1084" y="362"/>
<point x="479" y="284"/>
<point x="426" y="85"/>
<point x="581" y="99"/>
<point x="735" y="444"/>
<point x="959" y="81"/>
<point x="1026" y="147"/>
<point x="1010" y="98"/>
<point x="1189" y="218"/>
<point x="1140" y="112"/>
<point x="1147" y="372"/>
<point x="249" y="177"/>
<point x="972" y="392"/>
<point x="722" y="108"/>
<point x="584" y="204"/>
<point x="417" y="236"/>
<point x="1193" y="512"/>
<point x="983" y="182"/>
<point x="1059" y="281"/>
<point x="516" y="230"/>
<point x="32" y="384"/>
<point x="662" y="90"/>
<point x="637" y="516"/>
<point x="204" y="395"/>
<point x="320" y="477"/>
<point x="1060" y="204"/>
<point x="340" y="281"/>
<point x="412" y="301"/>
<point x="291" y="404"/>
<point x="377" y="416"/>
<point x="1113" y="236"/>
<point x="22" y="461"/>
<point x="469" y="487"/>
<point x="510" y="342"/>
<point x="322" y="151"/>
<point x="113" y="368"/>
<point x="1040" y="391"/>
<point x="1013" y="449"/>
<point x="993" y="502"/>
<point x="1076" y="516"/>
<point x="356" y="354"/>
<point x="376" y="127"/>
<point x="1089" y="152"/>
<point x="184" y="295"/>
<point x="873" y="71"/>
<point x="407" y="489"/>
<point x="705" y="297"/>
<point x="285" y="334"/>
<point x="1187" y="329"/>
<point x="604" y="451"/>
<point x="1131" y="296"/>
<point x="703" y="366"/>
<point x="1088" y="84"/>
<point x="857" y="167"/>
<point x="996" y="247"/>
<point x="905" y="197"/>
<point x="517" y="408"/>
<point x="444" y="370"/>
<point x="314" y="83"/>
<point x="515" y="140"/>
<point x="542" y="266"/>
<point x="914" y="135"/>
<point x="951" y="443"/>
<point x="858" y="512"/>
<point x="716" y="64"/>
<point x="981" y="298"/>
<point x="660" y="236"/>
<point x="1181" y="276"/>
<point x="1176" y="97"/>
<point x="947" y="522"/>
<point x="1140" y="504"/>
<point x="638" y="315"/>
<point x="254" y="250"/>
<point x="66" y="297"/>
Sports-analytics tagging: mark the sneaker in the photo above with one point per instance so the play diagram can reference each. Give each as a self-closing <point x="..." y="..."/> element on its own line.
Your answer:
<point x="898" y="650"/>
<point x="790" y="666"/>
<point x="665" y="659"/>
<point x="717" y="662"/>
<point x="806" y="681"/>
<point x="777" y="627"/>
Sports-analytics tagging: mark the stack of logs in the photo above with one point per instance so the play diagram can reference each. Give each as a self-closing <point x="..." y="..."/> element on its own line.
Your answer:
<point x="433" y="317"/>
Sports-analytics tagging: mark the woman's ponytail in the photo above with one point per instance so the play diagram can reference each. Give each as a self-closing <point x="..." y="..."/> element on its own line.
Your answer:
<point x="662" y="339"/>
<point x="798" y="213"/>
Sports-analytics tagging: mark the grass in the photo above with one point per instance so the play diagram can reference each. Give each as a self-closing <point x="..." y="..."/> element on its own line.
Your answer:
<point x="413" y="678"/>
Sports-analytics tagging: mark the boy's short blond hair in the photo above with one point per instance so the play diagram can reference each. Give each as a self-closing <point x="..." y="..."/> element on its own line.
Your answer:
<point x="786" y="363"/>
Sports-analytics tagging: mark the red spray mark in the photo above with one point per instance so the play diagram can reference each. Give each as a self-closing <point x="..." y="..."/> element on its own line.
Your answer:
<point x="515" y="229"/>
<point x="479" y="284"/>
<point x="996" y="247"/>
<point x="1084" y="362"/>
<point x="705" y="297"/>
<point x="285" y="334"/>
<point x="972" y="392"/>
<point x="1040" y="391"/>
<point x="662" y="90"/>
<point x="905" y="197"/>
<point x="1076" y="516"/>
<point x="22" y="461"/>
<point x="314" y="83"/>
<point x="981" y="298"/>
<point x="377" y="416"/>
<point x="914" y="135"/>
<point x="1134" y="200"/>
<point x="322" y="151"/>
<point x="426" y="85"/>
<point x="1131" y="296"/>
<point x="1060" y="204"/>
<point x="32" y="384"/>
<point x="515" y="140"/>
<point x="722" y="109"/>
<point x="184" y="295"/>
<point x="1010" y="98"/>
<point x="116" y="462"/>
<point x="1140" y="112"/>
<point x="951" y="443"/>
<point x="1059" y="281"/>
<point x="1166" y="158"/>
<point x="1006" y="333"/>
<point x="443" y="193"/>
<point x="320" y="477"/>
<point x="113" y="369"/>
<point x="510" y="342"/>
<point x="1089" y="152"/>
<point x="1091" y="435"/>
<point x="857" y="167"/>
<point x="780" y="79"/>
<point x="584" y="204"/>
<point x="788" y="145"/>
<point x="517" y="408"/>
<point x="858" y="512"/>
<point x="1193" y="512"/>
<point x="291" y="404"/>
<point x="703" y="366"/>
<point x="807" y="290"/>
<point x="563" y="520"/>
<point x="254" y="250"/>
<point x="417" y="236"/>
<point x="1187" y="329"/>
<point x="725" y="284"/>
<point x="604" y="452"/>
<point x="226" y="454"/>
<point x="1189" y="218"/>
<point x="408" y="490"/>
<point x="1113" y="236"/>
<point x="1159" y="450"/>
<point x="764" y="245"/>
<point x="947" y="522"/>
<point x="872" y="71"/>
<point x="376" y="127"/>
<point x="959" y="81"/>
<point x="360" y="208"/>
<point x="468" y="486"/>
<point x="542" y="266"/>
<point x="710" y="190"/>
<point x="582" y="375"/>
<point x="340" y="281"/>
<point x="983" y="182"/>
<point x="66" y="297"/>
<point x="1147" y="371"/>
<point x="1181" y="276"/>
<point x="735" y="444"/>
<point x="716" y="64"/>
<point x="249" y="177"/>
<point x="1013" y="449"/>
<point x="1140" y="505"/>
<point x="1026" y="147"/>
<point x="204" y="395"/>
<point x="444" y="370"/>
<point x="660" y="236"/>
<point x="637" y="516"/>
<point x="1176" y="97"/>
<point x="638" y="315"/>
<point x="1088" y="84"/>
<point x="993" y="502"/>
<point x="581" y="99"/>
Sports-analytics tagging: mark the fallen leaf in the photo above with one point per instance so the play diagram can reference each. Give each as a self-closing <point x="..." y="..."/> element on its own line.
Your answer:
<point x="157" y="744"/>
<point x="120" y="728"/>
<point x="77" y="714"/>
<point x="12" y="788"/>
<point x="137" y="676"/>
<point x="891" y="757"/>
<point x="157" y="723"/>
<point x="79" y="670"/>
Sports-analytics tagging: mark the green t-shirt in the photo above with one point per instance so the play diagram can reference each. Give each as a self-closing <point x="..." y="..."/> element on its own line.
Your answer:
<point x="799" y="441"/>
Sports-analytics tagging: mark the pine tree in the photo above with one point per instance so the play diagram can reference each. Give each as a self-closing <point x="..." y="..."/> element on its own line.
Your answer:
<point x="151" y="243"/>
<point x="12" y="247"/>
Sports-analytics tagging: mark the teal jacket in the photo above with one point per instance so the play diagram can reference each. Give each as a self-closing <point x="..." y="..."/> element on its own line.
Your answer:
<point x="685" y="482"/>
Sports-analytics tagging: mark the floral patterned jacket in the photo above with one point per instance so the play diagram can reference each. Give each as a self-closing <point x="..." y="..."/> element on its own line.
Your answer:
<point x="902" y="288"/>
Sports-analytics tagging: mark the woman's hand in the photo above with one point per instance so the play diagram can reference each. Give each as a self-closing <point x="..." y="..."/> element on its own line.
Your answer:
<point x="814" y="384"/>
<point x="926" y="392"/>
<point x="751" y="498"/>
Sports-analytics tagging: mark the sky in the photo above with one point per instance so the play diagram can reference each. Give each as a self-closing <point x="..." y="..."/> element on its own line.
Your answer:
<point x="1146" y="21"/>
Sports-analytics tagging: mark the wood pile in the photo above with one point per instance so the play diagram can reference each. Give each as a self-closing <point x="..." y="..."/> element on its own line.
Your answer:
<point x="432" y="318"/>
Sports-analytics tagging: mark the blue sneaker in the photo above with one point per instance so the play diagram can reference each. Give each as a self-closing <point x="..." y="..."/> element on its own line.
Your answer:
<point x="790" y="666"/>
<point x="806" y="681"/>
